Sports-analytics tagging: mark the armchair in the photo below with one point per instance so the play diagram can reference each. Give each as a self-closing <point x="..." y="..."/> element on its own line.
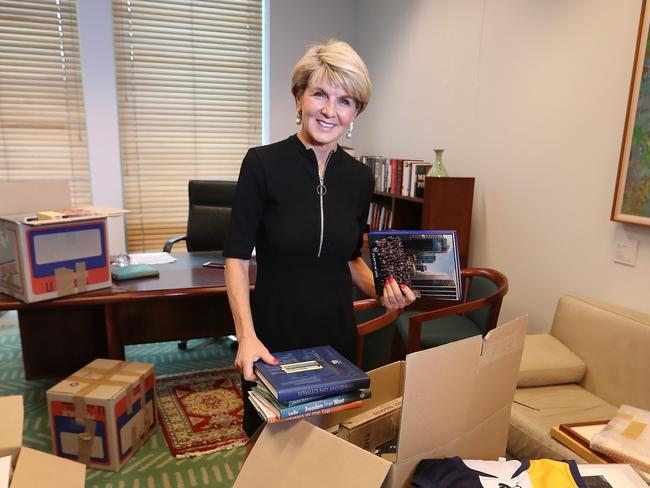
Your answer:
<point x="371" y="319"/>
<point x="477" y="313"/>
<point x="210" y="204"/>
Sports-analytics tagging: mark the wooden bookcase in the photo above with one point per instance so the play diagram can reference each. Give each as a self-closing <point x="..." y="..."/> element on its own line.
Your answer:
<point x="447" y="205"/>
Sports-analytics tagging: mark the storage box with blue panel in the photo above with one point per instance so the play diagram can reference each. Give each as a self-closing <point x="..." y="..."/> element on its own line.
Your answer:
<point x="47" y="248"/>
<point x="102" y="414"/>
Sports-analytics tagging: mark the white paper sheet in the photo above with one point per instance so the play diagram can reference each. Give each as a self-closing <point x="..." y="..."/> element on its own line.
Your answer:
<point x="152" y="258"/>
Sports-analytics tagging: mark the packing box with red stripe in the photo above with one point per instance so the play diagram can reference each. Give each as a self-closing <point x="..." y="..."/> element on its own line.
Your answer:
<point x="103" y="413"/>
<point x="46" y="254"/>
<point x="31" y="468"/>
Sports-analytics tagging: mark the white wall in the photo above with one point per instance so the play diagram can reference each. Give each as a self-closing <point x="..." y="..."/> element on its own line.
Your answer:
<point x="529" y="97"/>
<point x="95" y="21"/>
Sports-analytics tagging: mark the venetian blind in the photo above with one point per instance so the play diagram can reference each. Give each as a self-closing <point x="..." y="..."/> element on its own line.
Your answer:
<point x="189" y="77"/>
<point x="42" y="121"/>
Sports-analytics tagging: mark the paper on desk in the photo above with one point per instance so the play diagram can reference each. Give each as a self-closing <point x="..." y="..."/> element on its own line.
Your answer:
<point x="151" y="258"/>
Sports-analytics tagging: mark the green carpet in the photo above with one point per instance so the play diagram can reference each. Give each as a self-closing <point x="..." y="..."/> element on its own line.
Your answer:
<point x="152" y="466"/>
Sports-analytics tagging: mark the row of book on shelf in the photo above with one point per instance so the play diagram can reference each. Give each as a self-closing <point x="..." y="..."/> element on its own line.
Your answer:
<point x="319" y="380"/>
<point x="380" y="216"/>
<point x="403" y="177"/>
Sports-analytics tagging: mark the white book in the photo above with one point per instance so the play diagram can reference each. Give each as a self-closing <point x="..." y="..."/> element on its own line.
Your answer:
<point x="406" y="176"/>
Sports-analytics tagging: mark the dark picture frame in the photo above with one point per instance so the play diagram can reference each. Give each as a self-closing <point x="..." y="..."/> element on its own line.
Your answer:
<point x="632" y="194"/>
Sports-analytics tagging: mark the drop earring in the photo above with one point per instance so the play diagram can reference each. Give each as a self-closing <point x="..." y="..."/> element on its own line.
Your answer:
<point x="348" y="134"/>
<point x="298" y="117"/>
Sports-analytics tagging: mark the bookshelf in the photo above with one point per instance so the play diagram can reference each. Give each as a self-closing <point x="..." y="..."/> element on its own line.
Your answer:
<point x="446" y="205"/>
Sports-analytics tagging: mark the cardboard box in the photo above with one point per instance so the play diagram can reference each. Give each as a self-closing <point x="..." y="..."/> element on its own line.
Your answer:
<point x="36" y="468"/>
<point x="456" y="402"/>
<point x="374" y="427"/>
<point x="62" y="254"/>
<point x="11" y="426"/>
<point x="33" y="468"/>
<point x="103" y="413"/>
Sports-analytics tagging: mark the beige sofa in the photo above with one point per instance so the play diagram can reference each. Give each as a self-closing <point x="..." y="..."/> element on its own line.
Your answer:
<point x="596" y="357"/>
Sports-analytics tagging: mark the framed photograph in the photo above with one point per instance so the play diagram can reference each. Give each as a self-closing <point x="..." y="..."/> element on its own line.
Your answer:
<point x="632" y="194"/>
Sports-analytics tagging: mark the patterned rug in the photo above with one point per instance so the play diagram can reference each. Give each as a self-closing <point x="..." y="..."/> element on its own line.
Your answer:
<point x="201" y="412"/>
<point x="153" y="466"/>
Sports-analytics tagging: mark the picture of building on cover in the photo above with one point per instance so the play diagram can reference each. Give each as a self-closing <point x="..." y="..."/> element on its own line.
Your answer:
<point x="425" y="260"/>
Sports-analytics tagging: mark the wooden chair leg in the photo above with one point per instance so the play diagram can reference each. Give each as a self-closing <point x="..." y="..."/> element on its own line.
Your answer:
<point x="397" y="348"/>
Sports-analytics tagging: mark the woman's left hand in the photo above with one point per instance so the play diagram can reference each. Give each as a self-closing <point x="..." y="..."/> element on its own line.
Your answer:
<point x="395" y="295"/>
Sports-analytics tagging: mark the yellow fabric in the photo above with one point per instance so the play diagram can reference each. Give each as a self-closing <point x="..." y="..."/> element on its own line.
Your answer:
<point x="545" y="473"/>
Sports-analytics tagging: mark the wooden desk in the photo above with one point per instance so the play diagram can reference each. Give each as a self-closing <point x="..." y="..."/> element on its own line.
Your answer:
<point x="186" y="301"/>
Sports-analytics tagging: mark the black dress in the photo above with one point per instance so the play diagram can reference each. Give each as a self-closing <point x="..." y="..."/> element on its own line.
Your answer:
<point x="303" y="290"/>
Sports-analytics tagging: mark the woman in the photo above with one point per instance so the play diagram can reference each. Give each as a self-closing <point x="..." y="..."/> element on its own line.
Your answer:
<point x="303" y="204"/>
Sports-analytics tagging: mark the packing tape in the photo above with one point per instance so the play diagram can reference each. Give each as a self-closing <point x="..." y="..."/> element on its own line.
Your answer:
<point x="85" y="442"/>
<point x="82" y="279"/>
<point x="623" y="415"/>
<point x="136" y="437"/>
<point x="129" y="399"/>
<point x="64" y="279"/>
<point x="79" y="398"/>
<point x="634" y="430"/>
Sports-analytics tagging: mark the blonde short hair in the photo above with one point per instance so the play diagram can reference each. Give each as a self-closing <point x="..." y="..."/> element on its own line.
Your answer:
<point x="337" y="63"/>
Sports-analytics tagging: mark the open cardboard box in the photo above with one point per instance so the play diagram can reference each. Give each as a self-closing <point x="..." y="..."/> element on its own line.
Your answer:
<point x="60" y="254"/>
<point x="33" y="468"/>
<point x="456" y="402"/>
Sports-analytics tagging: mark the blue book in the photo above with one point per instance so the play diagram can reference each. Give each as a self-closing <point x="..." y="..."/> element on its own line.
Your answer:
<point x="284" y="411"/>
<point x="310" y="372"/>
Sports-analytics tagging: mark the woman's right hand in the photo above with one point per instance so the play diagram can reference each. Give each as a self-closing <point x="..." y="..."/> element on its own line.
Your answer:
<point x="249" y="351"/>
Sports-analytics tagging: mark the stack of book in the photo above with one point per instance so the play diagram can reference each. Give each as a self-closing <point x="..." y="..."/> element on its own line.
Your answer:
<point x="306" y="382"/>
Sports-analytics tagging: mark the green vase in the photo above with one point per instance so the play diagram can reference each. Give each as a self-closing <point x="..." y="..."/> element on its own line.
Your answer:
<point x="438" y="169"/>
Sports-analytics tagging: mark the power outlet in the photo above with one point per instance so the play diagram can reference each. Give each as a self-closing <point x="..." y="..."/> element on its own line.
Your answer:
<point x="626" y="250"/>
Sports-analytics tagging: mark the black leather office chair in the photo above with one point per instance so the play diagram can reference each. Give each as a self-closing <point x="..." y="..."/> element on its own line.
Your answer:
<point x="208" y="218"/>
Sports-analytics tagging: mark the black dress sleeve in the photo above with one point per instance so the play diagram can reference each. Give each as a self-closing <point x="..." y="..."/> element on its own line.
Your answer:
<point x="248" y="208"/>
<point x="367" y="190"/>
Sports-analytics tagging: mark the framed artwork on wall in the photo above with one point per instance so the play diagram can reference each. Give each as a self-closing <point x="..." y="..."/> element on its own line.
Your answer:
<point x="632" y="194"/>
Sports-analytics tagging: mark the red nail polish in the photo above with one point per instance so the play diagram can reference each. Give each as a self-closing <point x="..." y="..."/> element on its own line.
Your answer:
<point x="402" y="286"/>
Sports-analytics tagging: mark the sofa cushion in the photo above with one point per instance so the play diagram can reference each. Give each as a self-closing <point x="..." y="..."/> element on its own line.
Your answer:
<point x="613" y="342"/>
<point x="546" y="361"/>
<point x="536" y="410"/>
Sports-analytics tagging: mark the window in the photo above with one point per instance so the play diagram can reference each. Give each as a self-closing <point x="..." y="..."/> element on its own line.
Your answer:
<point x="189" y="77"/>
<point x="42" y="122"/>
